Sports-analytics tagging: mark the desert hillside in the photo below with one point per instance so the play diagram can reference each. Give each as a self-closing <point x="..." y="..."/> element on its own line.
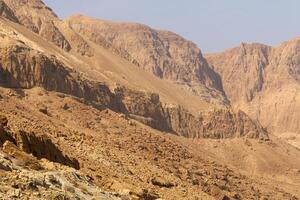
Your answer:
<point x="94" y="109"/>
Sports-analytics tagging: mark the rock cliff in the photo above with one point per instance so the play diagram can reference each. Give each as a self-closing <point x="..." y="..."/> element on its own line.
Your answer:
<point x="162" y="53"/>
<point x="264" y="82"/>
<point x="22" y="67"/>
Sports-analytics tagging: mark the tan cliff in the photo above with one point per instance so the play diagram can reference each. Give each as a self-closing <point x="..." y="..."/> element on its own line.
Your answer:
<point x="264" y="82"/>
<point x="162" y="53"/>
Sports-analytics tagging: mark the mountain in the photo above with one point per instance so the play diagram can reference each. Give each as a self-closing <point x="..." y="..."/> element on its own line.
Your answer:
<point x="162" y="53"/>
<point x="104" y="110"/>
<point x="264" y="82"/>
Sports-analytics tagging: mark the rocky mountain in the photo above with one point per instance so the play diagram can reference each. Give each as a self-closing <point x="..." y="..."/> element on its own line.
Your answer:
<point x="162" y="53"/>
<point x="268" y="83"/>
<point x="23" y="67"/>
<point x="39" y="18"/>
<point x="104" y="110"/>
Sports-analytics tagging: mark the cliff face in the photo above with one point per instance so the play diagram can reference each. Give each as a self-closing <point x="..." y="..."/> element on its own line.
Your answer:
<point x="22" y="67"/>
<point x="162" y="53"/>
<point x="217" y="124"/>
<point x="242" y="70"/>
<point x="264" y="82"/>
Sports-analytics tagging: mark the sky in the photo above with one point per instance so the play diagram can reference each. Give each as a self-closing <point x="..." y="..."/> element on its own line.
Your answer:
<point x="213" y="25"/>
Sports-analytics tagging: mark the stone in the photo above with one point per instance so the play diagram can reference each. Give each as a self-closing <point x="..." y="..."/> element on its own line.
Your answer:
<point x="3" y="121"/>
<point x="161" y="182"/>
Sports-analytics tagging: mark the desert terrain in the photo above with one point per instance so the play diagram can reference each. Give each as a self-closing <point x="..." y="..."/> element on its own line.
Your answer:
<point x="95" y="109"/>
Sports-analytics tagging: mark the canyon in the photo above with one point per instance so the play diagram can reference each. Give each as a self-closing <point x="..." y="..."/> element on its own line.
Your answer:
<point x="95" y="109"/>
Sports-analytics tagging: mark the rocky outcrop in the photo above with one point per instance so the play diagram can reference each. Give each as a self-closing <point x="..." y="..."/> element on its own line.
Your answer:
<point x="39" y="146"/>
<point x="81" y="46"/>
<point x="161" y="53"/>
<point x="5" y="135"/>
<point x="29" y="178"/>
<point x="142" y="106"/>
<point x="220" y="123"/>
<point x="50" y="32"/>
<point x="43" y="147"/>
<point x="22" y="67"/>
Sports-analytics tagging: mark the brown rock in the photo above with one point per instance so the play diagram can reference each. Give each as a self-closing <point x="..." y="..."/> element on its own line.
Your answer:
<point x="3" y="121"/>
<point x="22" y="159"/>
<point x="161" y="182"/>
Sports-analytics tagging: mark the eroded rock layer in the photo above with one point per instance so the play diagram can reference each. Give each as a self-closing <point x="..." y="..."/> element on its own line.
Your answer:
<point x="22" y="67"/>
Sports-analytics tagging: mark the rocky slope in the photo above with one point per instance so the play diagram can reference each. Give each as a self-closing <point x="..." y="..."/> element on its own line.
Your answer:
<point x="135" y="160"/>
<point x="34" y="176"/>
<point x="162" y="53"/>
<point x="268" y="80"/>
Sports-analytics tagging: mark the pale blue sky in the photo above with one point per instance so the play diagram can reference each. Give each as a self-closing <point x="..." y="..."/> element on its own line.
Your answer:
<point x="213" y="24"/>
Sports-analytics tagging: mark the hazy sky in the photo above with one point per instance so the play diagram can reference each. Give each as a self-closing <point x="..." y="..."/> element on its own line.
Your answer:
<point x="213" y="24"/>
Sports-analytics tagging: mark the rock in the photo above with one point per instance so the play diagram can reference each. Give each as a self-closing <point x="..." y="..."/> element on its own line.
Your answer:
<point x="223" y="197"/>
<point x="21" y="159"/>
<point x="6" y="12"/>
<point x="43" y="147"/>
<point x="44" y="110"/>
<point x="161" y="182"/>
<point x="66" y="106"/>
<point x="148" y="195"/>
<point x="5" y="168"/>
<point x="3" y="121"/>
